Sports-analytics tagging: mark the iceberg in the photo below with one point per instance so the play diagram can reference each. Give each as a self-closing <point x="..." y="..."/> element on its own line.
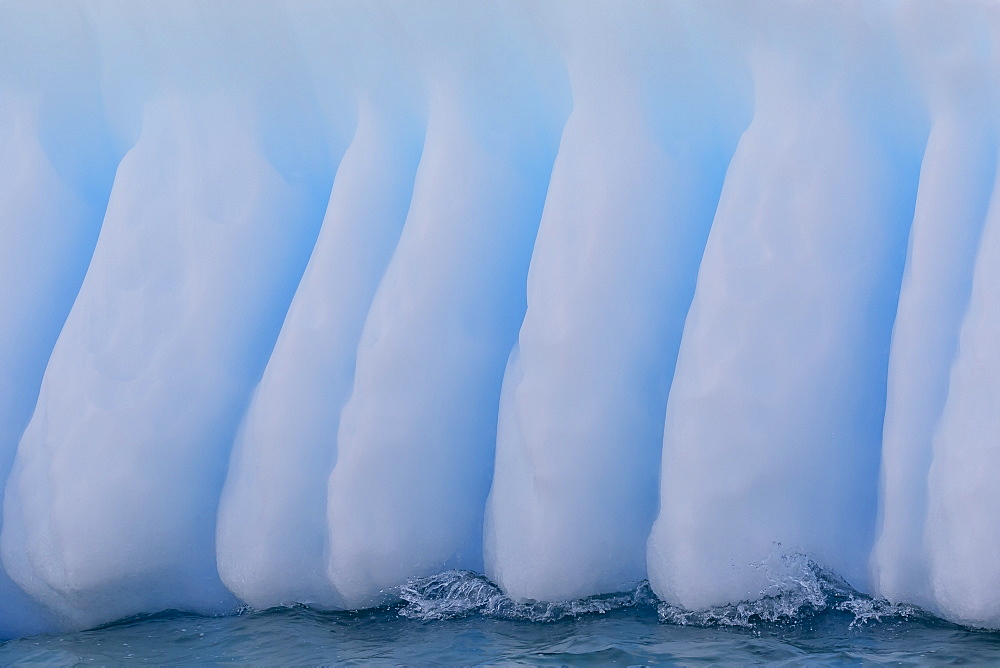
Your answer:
<point x="307" y="302"/>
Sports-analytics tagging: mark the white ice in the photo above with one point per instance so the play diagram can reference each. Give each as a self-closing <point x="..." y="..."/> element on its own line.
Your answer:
<point x="302" y="300"/>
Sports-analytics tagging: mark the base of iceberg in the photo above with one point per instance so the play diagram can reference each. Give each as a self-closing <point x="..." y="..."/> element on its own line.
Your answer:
<point x="304" y="302"/>
<point x="837" y="626"/>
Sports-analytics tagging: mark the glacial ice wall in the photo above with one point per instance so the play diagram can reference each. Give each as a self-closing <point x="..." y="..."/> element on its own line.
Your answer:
<point x="299" y="301"/>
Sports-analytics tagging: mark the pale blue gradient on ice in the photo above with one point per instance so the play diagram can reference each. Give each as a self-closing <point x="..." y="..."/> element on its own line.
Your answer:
<point x="301" y="302"/>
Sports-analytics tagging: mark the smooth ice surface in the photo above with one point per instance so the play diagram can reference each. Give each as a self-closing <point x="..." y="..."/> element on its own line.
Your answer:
<point x="957" y="186"/>
<point x="962" y="530"/>
<point x="416" y="439"/>
<point x="272" y="524"/>
<point x="301" y="301"/>
<point x="52" y="202"/>
<point x="140" y="397"/>
<point x="774" y="421"/>
<point x="202" y="243"/>
<point x="629" y="206"/>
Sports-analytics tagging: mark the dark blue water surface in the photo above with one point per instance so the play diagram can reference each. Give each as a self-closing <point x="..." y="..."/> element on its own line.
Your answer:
<point x="462" y="618"/>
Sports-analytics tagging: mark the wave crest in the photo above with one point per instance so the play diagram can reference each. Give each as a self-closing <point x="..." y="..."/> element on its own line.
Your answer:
<point x="454" y="594"/>
<point x="801" y="589"/>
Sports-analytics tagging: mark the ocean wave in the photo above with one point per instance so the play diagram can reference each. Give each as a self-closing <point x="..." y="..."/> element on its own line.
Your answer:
<point x="800" y="589"/>
<point x="454" y="594"/>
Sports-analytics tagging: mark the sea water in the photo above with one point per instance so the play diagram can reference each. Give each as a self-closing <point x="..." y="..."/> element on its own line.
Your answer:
<point x="462" y="618"/>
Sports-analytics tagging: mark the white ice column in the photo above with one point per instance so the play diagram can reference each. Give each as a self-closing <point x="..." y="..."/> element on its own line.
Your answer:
<point x="56" y="167"/>
<point x="416" y="438"/>
<point x="629" y="207"/>
<point x="272" y="530"/>
<point x="774" y="419"/>
<point x="963" y="497"/>
<point x="956" y="185"/>
<point x="110" y="509"/>
<point x="962" y="534"/>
